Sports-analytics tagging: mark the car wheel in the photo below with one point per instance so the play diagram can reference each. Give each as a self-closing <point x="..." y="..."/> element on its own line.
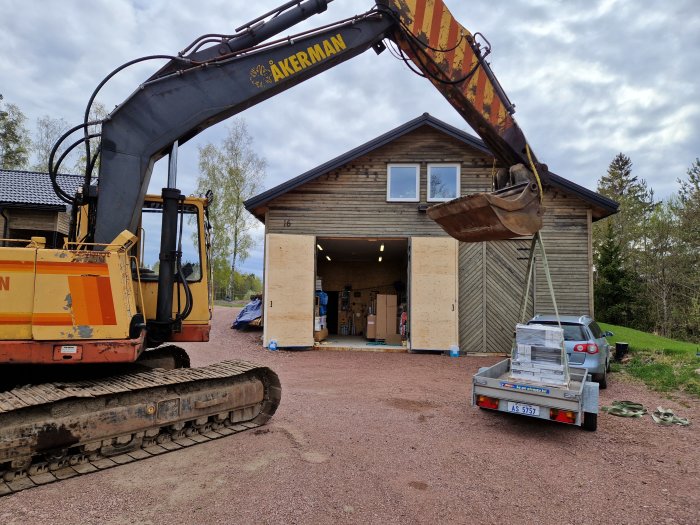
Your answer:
<point x="601" y="379"/>
<point x="590" y="421"/>
<point x="607" y="368"/>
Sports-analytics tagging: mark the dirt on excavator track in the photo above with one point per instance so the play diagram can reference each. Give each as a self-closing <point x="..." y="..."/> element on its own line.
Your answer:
<point x="53" y="431"/>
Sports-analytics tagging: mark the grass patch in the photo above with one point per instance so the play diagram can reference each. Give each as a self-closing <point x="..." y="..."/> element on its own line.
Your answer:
<point x="663" y="364"/>
<point x="236" y="304"/>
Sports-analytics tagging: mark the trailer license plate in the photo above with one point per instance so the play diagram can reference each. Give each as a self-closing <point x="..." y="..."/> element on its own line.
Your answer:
<point x="525" y="410"/>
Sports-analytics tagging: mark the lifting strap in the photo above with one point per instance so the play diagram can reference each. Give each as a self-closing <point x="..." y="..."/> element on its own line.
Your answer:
<point x="537" y="239"/>
<point x="625" y="409"/>
<point x="661" y="416"/>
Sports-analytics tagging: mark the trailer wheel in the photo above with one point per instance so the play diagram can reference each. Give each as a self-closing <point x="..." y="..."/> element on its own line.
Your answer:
<point x="590" y="421"/>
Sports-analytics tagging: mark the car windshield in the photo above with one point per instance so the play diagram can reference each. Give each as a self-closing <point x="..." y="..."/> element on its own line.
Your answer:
<point x="572" y="332"/>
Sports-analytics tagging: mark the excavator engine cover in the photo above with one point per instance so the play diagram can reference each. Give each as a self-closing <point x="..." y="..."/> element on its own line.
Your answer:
<point x="513" y="212"/>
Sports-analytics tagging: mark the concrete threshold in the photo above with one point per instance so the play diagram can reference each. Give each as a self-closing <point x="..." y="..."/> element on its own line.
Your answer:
<point x="349" y="343"/>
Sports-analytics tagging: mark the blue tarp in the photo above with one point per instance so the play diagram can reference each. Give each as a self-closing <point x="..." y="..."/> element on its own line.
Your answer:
<point x="322" y="302"/>
<point x="250" y="312"/>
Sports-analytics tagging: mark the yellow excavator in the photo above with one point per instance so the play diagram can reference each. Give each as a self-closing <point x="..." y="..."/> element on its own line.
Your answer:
<point x="90" y="374"/>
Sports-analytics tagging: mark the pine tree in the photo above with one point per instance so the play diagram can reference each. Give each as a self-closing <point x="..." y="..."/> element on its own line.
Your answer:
<point x="636" y="203"/>
<point x="615" y="288"/>
<point x="687" y="253"/>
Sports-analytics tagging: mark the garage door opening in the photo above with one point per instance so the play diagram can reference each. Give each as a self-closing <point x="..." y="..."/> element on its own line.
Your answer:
<point x="365" y="285"/>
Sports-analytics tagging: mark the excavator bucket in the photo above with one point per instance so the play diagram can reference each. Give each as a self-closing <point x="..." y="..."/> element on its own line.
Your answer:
<point x="513" y="212"/>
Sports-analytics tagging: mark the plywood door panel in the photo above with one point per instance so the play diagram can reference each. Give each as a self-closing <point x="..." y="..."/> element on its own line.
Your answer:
<point x="433" y="315"/>
<point x="289" y="290"/>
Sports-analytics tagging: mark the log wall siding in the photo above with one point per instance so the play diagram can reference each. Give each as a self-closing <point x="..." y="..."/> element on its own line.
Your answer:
<point x="33" y="220"/>
<point x="351" y="201"/>
<point x="63" y="222"/>
<point x="566" y="237"/>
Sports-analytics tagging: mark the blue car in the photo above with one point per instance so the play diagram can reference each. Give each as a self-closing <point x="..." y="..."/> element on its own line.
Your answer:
<point x="585" y="343"/>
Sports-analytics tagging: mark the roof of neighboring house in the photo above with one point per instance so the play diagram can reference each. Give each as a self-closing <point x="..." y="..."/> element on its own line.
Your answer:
<point x="34" y="189"/>
<point x="602" y="206"/>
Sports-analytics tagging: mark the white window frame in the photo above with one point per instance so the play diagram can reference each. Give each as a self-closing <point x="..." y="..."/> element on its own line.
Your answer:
<point x="458" y="175"/>
<point x="389" y="198"/>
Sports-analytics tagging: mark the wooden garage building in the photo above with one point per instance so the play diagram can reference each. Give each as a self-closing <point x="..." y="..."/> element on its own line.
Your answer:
<point x="337" y="220"/>
<point x="29" y="206"/>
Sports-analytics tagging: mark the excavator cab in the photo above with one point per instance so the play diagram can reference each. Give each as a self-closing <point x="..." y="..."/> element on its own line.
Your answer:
<point x="191" y="308"/>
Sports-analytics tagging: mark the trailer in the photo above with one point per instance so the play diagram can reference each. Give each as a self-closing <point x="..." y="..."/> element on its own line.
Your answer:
<point x="575" y="403"/>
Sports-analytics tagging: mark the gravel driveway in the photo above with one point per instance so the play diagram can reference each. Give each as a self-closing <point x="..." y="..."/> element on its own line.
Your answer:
<point x="391" y="438"/>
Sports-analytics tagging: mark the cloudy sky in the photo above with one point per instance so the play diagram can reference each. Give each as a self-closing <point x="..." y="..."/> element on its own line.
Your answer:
<point x="589" y="78"/>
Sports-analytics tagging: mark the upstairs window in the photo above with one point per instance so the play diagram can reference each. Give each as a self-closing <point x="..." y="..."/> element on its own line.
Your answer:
<point x="402" y="183"/>
<point x="443" y="182"/>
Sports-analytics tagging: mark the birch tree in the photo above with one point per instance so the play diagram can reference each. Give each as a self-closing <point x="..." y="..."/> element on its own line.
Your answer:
<point x="234" y="172"/>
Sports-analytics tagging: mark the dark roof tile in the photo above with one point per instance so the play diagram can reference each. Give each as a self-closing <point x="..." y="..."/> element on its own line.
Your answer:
<point x="34" y="188"/>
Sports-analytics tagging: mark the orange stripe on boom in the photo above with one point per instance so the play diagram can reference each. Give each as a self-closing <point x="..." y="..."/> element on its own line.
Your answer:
<point x="436" y="22"/>
<point x="418" y="20"/>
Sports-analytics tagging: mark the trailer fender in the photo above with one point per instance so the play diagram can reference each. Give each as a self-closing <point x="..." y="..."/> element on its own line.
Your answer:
<point x="590" y="397"/>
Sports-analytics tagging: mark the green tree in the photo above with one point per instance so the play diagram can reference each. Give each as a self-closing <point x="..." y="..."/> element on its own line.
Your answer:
<point x="14" y="138"/>
<point x="661" y="268"/>
<point x="627" y="229"/>
<point x="48" y="131"/>
<point x="687" y="251"/>
<point x="615" y="287"/>
<point x="636" y="203"/>
<point x="234" y="172"/>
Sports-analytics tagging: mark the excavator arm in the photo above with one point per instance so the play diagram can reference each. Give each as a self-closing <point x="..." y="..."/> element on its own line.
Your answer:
<point x="180" y="102"/>
<point x="206" y="85"/>
<point x="453" y="59"/>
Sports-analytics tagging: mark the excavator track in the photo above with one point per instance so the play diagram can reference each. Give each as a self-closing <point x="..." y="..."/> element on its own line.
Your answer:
<point x="59" y="430"/>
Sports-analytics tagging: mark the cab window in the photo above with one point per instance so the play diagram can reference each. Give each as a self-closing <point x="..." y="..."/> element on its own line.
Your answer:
<point x="151" y="225"/>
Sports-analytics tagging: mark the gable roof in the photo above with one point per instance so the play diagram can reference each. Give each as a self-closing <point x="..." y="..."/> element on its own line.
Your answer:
<point x="602" y="206"/>
<point x="32" y="188"/>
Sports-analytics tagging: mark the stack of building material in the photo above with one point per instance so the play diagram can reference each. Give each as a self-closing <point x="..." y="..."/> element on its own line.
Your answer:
<point x="539" y="355"/>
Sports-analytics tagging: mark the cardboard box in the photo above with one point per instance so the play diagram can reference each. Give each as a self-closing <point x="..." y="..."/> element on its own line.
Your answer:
<point x="320" y="335"/>
<point x="386" y="316"/>
<point x="371" y="327"/>
<point x="393" y="339"/>
<point x="391" y="313"/>
<point x="381" y="316"/>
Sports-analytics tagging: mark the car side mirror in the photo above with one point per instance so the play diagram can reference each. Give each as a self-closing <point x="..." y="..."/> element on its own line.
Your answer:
<point x="608" y="334"/>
